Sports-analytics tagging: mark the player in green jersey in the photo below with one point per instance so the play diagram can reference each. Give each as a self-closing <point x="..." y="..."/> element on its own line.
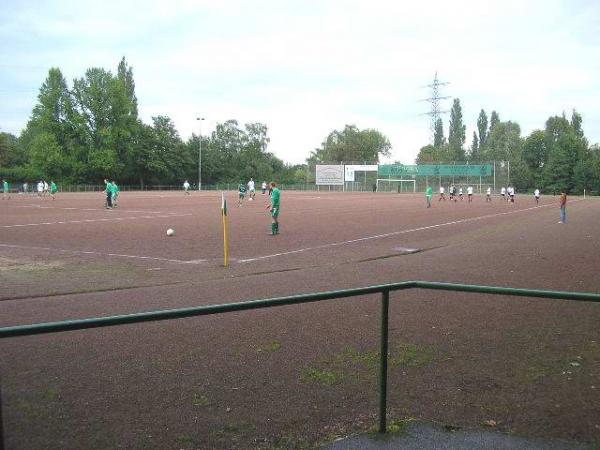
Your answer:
<point x="53" y="189"/>
<point x="428" y="195"/>
<point x="115" y="193"/>
<point x="242" y="193"/>
<point x="5" y="190"/>
<point x="274" y="208"/>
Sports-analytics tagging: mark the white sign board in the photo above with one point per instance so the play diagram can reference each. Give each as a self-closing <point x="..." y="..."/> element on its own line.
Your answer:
<point x="349" y="173"/>
<point x="349" y="170"/>
<point x="332" y="175"/>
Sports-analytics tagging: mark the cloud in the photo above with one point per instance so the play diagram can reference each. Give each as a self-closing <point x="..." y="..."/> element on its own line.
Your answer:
<point x="306" y="68"/>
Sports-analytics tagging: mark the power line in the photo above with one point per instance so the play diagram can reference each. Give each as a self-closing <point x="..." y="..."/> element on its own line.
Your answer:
<point x="435" y="112"/>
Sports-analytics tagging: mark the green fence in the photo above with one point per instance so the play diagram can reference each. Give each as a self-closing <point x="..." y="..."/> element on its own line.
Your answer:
<point x="384" y="290"/>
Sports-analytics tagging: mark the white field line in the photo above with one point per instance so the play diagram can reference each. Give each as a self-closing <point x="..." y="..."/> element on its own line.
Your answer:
<point x="106" y="219"/>
<point x="87" y="209"/>
<point x="394" y="233"/>
<point x="117" y="255"/>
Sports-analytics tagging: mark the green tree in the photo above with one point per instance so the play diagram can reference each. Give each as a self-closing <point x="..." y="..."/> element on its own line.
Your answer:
<point x="352" y="144"/>
<point x="504" y="142"/>
<point x="456" y="133"/>
<point x="474" y="155"/>
<point x="438" y="138"/>
<point x="482" y="128"/>
<point x="494" y="120"/>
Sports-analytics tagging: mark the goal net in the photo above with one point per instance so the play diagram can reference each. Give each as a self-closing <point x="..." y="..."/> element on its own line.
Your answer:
<point x="396" y="185"/>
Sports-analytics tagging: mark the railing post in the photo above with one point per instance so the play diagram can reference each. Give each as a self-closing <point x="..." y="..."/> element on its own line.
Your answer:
<point x="1" y="421"/>
<point x="385" y="306"/>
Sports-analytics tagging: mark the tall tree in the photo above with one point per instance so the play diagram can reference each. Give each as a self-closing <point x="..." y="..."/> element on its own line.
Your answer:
<point x="352" y="144"/>
<point x="456" y="133"/>
<point x="504" y="142"/>
<point x="474" y="153"/>
<point x="494" y="120"/>
<point x="482" y="128"/>
<point x="438" y="137"/>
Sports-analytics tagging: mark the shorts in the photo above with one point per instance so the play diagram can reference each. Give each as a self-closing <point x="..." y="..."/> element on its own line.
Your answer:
<point x="242" y="196"/>
<point x="275" y="213"/>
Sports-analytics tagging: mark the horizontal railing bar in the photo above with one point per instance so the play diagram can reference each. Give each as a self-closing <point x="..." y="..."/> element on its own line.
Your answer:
<point x="153" y="316"/>
<point x="519" y="292"/>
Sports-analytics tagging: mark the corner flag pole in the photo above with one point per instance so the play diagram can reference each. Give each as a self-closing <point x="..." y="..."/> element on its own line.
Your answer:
<point x="225" y="230"/>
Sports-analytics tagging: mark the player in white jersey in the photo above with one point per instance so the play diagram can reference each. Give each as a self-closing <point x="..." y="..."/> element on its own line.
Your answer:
<point x="442" y="194"/>
<point x="460" y="193"/>
<point x="251" y="190"/>
<point x="488" y="196"/>
<point x="503" y="192"/>
<point x="186" y="187"/>
<point x="470" y="193"/>
<point x="40" y="188"/>
<point x="536" y="194"/>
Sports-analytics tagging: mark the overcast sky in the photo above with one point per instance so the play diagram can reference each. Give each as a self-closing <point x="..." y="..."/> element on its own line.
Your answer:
<point x="305" y="68"/>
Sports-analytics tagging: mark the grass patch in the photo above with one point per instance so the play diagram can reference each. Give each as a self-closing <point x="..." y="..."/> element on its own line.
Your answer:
<point x="51" y="394"/>
<point x="271" y="347"/>
<point x="290" y="443"/>
<point x="185" y="440"/>
<point x="199" y="399"/>
<point x="320" y="376"/>
<point x="353" y="364"/>
<point x="395" y="428"/>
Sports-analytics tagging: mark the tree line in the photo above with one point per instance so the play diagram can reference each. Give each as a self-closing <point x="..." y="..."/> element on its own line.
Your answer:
<point x="91" y="130"/>
<point x="556" y="158"/>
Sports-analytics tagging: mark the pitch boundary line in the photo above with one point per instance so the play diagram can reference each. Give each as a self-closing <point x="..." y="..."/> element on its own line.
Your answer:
<point x="118" y="255"/>
<point x="394" y="233"/>
<point x="86" y="209"/>
<point x="105" y="219"/>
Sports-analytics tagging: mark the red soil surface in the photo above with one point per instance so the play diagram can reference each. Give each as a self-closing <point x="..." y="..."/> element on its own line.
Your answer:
<point x="297" y="375"/>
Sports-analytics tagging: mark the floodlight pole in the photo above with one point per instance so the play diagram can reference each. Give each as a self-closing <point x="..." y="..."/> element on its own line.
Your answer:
<point x="200" y="119"/>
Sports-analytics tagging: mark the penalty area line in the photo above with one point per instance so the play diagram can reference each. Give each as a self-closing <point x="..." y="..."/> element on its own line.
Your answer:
<point x="393" y="233"/>
<point x="114" y="255"/>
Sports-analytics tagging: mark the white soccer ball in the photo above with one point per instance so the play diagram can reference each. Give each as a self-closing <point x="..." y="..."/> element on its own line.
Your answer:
<point x="170" y="232"/>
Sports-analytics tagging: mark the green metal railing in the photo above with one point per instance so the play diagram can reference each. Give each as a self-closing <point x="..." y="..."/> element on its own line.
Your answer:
<point x="384" y="290"/>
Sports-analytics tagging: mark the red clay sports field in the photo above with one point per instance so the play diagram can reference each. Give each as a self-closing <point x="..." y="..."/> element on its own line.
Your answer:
<point x="294" y="375"/>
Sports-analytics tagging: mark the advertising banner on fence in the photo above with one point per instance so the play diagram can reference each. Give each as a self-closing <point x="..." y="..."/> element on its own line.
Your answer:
<point x="434" y="170"/>
<point x="332" y="175"/>
<point x="349" y="170"/>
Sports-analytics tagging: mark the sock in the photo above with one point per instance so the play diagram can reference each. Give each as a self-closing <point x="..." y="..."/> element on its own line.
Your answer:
<point x="273" y="228"/>
<point x="276" y="227"/>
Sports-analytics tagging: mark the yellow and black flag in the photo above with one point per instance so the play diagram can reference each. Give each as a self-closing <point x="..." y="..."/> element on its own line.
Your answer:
<point x="225" y="230"/>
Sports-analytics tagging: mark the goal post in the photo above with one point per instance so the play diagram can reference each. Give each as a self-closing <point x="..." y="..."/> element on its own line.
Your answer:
<point x="396" y="185"/>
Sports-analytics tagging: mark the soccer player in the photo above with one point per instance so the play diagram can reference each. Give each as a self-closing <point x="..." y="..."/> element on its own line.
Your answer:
<point x="53" y="189"/>
<point x="40" y="188"/>
<point x="5" y="190"/>
<point x="428" y="195"/>
<point x="512" y="194"/>
<point x="242" y="193"/>
<point x="108" y="192"/>
<point x="186" y="187"/>
<point x="251" y="190"/>
<point x="470" y="193"/>
<point x="563" y="207"/>
<point x="264" y="187"/>
<point x="442" y="194"/>
<point x="460" y="194"/>
<point x="488" y="195"/>
<point x="452" y="193"/>
<point x="46" y="188"/>
<point x="115" y="193"/>
<point x="274" y="208"/>
<point x="503" y="192"/>
<point x="536" y="194"/>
